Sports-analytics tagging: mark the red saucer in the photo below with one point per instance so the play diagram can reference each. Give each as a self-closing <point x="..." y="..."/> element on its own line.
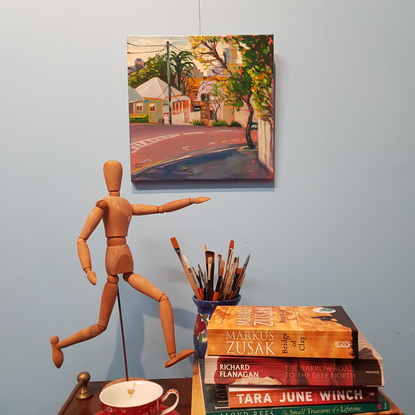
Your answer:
<point x="173" y="412"/>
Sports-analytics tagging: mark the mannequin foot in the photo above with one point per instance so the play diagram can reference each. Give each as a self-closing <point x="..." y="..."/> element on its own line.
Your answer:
<point x="57" y="355"/>
<point x="182" y="355"/>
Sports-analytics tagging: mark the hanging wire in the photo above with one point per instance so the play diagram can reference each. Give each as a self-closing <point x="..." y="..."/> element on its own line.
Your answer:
<point x="200" y="18"/>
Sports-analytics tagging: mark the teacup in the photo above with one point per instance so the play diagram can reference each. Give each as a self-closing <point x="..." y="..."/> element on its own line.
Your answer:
<point x="136" y="397"/>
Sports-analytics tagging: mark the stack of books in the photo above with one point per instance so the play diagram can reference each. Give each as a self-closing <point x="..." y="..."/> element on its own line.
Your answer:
<point x="269" y="360"/>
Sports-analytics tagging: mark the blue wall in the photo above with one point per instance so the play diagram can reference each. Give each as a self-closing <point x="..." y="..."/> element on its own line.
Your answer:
<point x="337" y="226"/>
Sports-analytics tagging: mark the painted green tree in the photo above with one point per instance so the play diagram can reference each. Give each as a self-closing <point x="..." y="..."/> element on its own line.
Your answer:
<point x="206" y="50"/>
<point x="238" y="92"/>
<point x="234" y="81"/>
<point x="249" y="84"/>
<point x="182" y="66"/>
<point x="258" y="60"/>
<point x="218" y="99"/>
<point x="154" y="67"/>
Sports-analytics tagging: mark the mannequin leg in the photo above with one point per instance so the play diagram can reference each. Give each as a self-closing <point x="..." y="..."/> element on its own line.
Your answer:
<point x="166" y="315"/>
<point x="108" y="298"/>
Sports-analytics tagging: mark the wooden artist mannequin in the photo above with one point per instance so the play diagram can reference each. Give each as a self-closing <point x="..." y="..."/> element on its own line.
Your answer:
<point x="116" y="213"/>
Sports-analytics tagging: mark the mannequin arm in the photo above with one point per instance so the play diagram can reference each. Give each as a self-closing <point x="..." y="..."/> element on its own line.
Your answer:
<point x="84" y="255"/>
<point x="167" y="207"/>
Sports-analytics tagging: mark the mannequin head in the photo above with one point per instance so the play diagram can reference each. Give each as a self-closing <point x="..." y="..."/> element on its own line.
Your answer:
<point x="113" y="176"/>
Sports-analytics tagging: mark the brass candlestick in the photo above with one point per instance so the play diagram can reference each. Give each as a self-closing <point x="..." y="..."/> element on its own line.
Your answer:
<point x="80" y="391"/>
<point x="84" y="393"/>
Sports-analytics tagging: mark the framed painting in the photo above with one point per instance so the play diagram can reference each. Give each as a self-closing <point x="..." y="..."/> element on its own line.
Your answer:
<point x="201" y="107"/>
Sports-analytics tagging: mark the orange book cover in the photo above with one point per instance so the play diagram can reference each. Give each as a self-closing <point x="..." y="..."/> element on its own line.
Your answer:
<point x="284" y="331"/>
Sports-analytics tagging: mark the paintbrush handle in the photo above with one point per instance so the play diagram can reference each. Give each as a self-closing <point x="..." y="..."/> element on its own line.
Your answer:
<point x="185" y="268"/>
<point x="192" y="283"/>
<point x="196" y="280"/>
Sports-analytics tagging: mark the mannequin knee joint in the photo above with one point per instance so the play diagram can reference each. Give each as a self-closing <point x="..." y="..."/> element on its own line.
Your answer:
<point x="102" y="328"/>
<point x="112" y="279"/>
<point x="164" y="297"/>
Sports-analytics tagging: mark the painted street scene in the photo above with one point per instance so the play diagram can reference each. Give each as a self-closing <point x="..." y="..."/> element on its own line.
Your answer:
<point x="201" y="107"/>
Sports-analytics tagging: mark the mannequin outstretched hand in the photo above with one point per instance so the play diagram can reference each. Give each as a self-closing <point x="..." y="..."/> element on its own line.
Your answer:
<point x="200" y="199"/>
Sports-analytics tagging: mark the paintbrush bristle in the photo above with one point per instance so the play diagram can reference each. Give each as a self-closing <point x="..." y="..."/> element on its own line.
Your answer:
<point x="174" y="243"/>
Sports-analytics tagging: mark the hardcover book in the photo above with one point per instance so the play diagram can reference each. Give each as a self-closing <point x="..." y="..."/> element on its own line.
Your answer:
<point x="254" y="396"/>
<point x="366" y="370"/>
<point x="213" y="400"/>
<point x="283" y="331"/>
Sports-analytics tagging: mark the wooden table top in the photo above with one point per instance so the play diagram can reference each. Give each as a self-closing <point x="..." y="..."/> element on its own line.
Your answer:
<point x="92" y="406"/>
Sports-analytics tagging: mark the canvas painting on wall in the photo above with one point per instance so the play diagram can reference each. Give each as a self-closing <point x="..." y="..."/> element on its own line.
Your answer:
<point x="201" y="107"/>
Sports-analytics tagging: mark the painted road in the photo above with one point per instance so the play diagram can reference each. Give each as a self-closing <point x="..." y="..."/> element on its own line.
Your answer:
<point x="153" y="144"/>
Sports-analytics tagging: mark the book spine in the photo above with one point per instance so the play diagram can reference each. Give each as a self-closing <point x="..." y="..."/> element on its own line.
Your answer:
<point x="334" y="409"/>
<point x="250" y="397"/>
<point x="270" y="343"/>
<point x="292" y="372"/>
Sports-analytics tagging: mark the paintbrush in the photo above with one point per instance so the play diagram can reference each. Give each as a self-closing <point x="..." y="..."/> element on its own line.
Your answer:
<point x="231" y="279"/>
<point x="194" y="276"/>
<point x="242" y="276"/>
<point x="199" y="279"/>
<point x="186" y="270"/>
<point x="210" y="271"/>
<point x="234" y="283"/>
<point x="221" y="267"/>
<point x="203" y="278"/>
<point x="227" y="270"/>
